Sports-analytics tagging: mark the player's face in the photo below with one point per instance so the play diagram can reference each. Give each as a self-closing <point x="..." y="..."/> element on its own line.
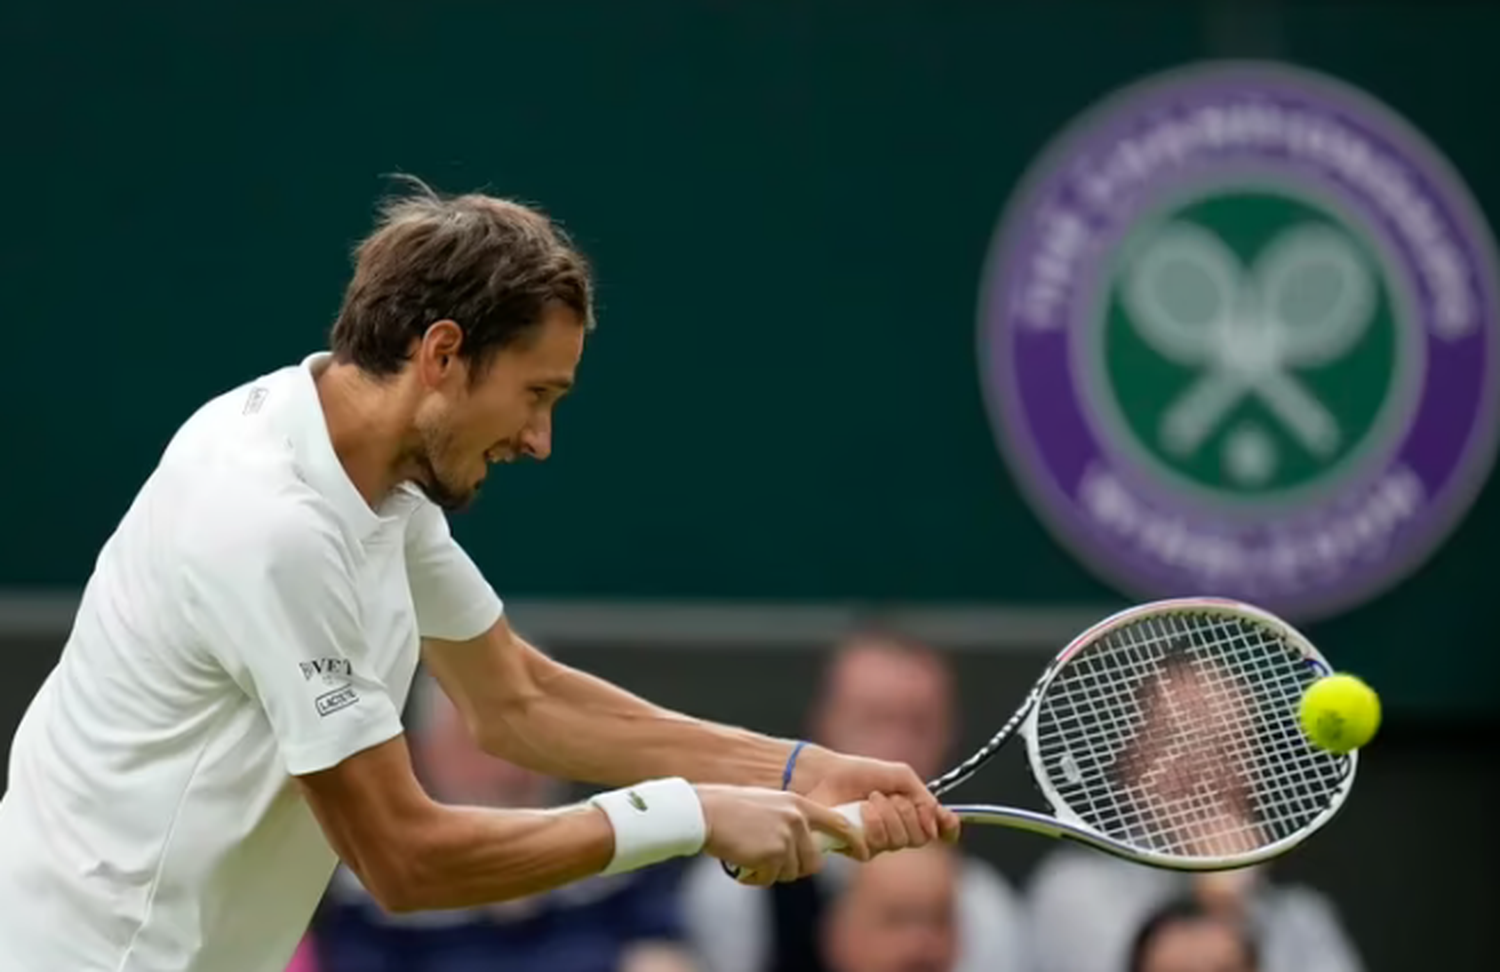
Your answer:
<point x="463" y="427"/>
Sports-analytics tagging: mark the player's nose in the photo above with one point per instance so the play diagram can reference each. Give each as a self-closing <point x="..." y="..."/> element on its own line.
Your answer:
<point x="538" y="442"/>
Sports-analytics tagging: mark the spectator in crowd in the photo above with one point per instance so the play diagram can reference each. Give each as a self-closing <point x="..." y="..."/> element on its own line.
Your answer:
<point x="898" y="914"/>
<point x="1086" y="907"/>
<point x="624" y="923"/>
<point x="885" y="697"/>
<point x="1186" y="936"/>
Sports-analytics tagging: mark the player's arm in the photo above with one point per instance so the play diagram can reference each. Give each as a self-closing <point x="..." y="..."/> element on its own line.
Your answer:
<point x="531" y="709"/>
<point x="273" y="597"/>
<point x="412" y="853"/>
<point x="521" y="705"/>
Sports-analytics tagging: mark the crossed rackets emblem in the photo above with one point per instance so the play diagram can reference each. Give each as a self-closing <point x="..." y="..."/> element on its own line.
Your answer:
<point x="1304" y="301"/>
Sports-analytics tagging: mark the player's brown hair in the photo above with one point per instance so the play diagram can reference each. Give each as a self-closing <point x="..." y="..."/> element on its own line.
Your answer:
<point x="490" y="265"/>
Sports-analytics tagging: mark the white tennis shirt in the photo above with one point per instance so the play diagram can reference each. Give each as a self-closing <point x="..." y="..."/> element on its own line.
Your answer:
<point x="251" y="618"/>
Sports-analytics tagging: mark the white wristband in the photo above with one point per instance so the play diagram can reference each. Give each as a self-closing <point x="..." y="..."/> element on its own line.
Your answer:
<point x="653" y="821"/>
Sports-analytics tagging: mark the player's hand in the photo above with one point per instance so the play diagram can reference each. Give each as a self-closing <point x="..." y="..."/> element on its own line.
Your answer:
<point x="769" y="834"/>
<point x="899" y="810"/>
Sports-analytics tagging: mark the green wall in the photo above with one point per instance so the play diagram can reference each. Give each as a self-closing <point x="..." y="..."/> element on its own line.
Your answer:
<point x="788" y="206"/>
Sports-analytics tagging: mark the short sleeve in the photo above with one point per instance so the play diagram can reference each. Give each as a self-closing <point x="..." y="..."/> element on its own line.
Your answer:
<point x="453" y="600"/>
<point x="274" y="599"/>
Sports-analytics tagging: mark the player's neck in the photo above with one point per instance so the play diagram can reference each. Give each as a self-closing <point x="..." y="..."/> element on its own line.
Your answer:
<point x="367" y="422"/>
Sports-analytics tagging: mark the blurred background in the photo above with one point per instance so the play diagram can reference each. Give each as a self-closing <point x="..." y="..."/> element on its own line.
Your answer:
<point x="782" y="495"/>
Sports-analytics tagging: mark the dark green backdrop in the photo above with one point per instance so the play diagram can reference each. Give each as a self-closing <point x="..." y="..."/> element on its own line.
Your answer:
<point x="787" y="202"/>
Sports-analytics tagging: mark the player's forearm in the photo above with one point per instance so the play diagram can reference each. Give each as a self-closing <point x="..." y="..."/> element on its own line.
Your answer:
<point x="415" y="854"/>
<point x="579" y="727"/>
<point x="466" y="857"/>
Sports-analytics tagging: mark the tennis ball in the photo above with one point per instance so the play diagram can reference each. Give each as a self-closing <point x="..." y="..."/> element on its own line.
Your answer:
<point x="1340" y="713"/>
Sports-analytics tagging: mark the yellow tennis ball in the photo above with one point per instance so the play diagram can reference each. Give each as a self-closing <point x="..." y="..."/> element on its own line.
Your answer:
<point x="1340" y="713"/>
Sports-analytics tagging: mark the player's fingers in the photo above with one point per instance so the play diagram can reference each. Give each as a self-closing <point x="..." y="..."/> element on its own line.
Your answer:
<point x="911" y="824"/>
<point x="929" y="810"/>
<point x="908" y="784"/>
<point x="807" y="856"/>
<point x="848" y="837"/>
<point x="948" y="824"/>
<point x="762" y="875"/>
<point x="927" y="814"/>
<point x="877" y="827"/>
<point x="889" y="814"/>
<point x="928" y="803"/>
<point x="911" y="821"/>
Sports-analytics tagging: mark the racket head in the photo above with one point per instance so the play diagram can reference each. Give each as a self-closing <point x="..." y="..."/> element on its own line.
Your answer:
<point x="1169" y="733"/>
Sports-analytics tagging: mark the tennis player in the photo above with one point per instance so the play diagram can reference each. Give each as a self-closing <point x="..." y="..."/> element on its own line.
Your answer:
<point x="223" y="723"/>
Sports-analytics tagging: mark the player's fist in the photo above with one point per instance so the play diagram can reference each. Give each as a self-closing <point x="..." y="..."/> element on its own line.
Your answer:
<point x="767" y="836"/>
<point x="895" y="823"/>
<point x="904" y="814"/>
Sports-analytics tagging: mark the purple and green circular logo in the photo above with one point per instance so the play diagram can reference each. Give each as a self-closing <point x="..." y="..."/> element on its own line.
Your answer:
<point x="1239" y="336"/>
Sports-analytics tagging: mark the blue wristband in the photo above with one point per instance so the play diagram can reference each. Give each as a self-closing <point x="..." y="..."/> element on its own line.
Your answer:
<point x="791" y="761"/>
<point x="786" y="781"/>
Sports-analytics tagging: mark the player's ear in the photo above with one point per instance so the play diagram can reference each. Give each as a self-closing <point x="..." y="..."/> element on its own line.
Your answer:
<point x="438" y="352"/>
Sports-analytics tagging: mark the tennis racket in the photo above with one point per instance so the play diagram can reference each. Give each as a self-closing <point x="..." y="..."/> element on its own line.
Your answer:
<point x="1169" y="734"/>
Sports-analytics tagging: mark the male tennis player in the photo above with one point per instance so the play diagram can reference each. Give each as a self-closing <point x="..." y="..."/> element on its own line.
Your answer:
<point x="223" y="722"/>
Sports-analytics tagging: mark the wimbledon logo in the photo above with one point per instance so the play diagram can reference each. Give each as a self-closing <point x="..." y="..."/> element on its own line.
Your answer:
<point x="1239" y="337"/>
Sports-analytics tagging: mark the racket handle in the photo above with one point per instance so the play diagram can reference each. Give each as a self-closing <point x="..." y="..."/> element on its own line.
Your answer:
<point x="825" y="842"/>
<point x="852" y="812"/>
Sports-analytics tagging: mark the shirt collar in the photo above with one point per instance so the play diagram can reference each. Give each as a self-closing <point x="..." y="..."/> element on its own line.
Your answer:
<point x="318" y="463"/>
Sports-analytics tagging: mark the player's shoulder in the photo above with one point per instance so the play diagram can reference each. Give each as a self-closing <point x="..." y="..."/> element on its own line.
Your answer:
<point x="246" y="414"/>
<point x="232" y="475"/>
<point x="260" y="512"/>
<point x="242" y="533"/>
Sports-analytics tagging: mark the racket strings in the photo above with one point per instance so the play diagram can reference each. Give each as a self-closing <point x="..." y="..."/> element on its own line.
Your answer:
<point x="1179" y="733"/>
<point x="1190" y="784"/>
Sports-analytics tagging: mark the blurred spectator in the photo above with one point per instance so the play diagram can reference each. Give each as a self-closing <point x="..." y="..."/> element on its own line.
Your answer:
<point x="1185" y="936"/>
<point x="897" y="915"/>
<point x="887" y="698"/>
<point x="1087" y="907"/>
<point x="624" y="923"/>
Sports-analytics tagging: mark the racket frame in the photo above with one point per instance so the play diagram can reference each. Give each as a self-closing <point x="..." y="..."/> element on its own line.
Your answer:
<point x="1063" y="822"/>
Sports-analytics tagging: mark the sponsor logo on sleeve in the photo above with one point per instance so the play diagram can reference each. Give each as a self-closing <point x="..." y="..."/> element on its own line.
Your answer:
<point x="331" y="670"/>
<point x="340" y="698"/>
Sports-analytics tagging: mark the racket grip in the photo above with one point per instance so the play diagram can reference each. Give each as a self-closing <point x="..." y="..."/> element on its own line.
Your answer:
<point x="852" y="812"/>
<point x="825" y="842"/>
